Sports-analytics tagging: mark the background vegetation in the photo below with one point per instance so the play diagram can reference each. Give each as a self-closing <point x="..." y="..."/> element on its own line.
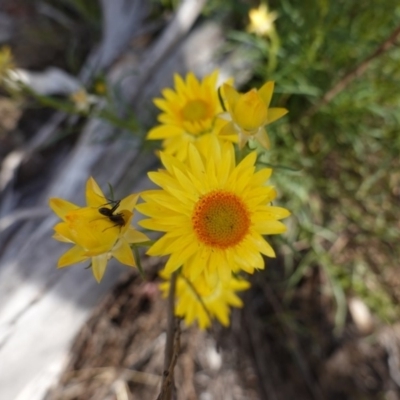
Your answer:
<point x="337" y="71"/>
<point x="336" y="65"/>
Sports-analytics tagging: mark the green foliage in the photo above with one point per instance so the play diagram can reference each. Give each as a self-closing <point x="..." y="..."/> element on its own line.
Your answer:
<point x="344" y="186"/>
<point x="72" y="20"/>
<point x="86" y="10"/>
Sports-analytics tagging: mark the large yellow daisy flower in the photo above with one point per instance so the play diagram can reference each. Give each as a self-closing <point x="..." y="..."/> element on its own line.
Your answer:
<point x="99" y="231"/>
<point x="202" y="302"/>
<point x="188" y="113"/>
<point x="213" y="212"/>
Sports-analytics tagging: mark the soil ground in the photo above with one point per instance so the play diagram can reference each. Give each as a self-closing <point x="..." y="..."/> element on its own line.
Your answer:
<point x="275" y="349"/>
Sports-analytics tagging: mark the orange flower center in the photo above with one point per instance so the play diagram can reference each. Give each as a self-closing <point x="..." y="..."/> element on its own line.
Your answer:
<point x="220" y="219"/>
<point x="195" y="110"/>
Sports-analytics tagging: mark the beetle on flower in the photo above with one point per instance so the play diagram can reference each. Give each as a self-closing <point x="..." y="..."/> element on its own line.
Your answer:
<point x="95" y="235"/>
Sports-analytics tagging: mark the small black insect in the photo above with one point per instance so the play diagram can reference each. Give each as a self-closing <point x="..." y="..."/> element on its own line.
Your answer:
<point x="118" y="218"/>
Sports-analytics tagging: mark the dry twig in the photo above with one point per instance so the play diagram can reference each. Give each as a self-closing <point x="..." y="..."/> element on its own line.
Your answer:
<point x="354" y="73"/>
<point x="172" y="345"/>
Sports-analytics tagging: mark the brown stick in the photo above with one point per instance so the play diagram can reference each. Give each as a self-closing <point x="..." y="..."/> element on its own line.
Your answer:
<point x="172" y="344"/>
<point x="167" y="388"/>
<point x="354" y="73"/>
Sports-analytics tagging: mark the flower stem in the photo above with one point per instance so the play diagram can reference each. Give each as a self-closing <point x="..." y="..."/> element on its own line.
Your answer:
<point x="172" y="345"/>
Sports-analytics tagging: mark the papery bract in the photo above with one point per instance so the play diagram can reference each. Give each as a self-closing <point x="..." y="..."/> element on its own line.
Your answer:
<point x="249" y="113"/>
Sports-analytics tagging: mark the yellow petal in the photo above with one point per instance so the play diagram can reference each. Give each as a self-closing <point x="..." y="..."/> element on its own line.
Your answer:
<point x="230" y="95"/>
<point x="219" y="125"/>
<point x="153" y="225"/>
<point x="193" y="267"/>
<point x="266" y="92"/>
<point x="276" y="113"/>
<point x="263" y="138"/>
<point x="72" y="256"/>
<point x="179" y="83"/>
<point x="134" y="236"/>
<point x="159" y="248"/>
<point x="224" y="272"/>
<point x="176" y="260"/>
<point x="272" y="212"/>
<point x="126" y="219"/>
<point x="163" y="132"/>
<point x="204" y="320"/>
<point x="170" y="95"/>
<point x="128" y="203"/>
<point x="168" y="120"/>
<point x="156" y="210"/>
<point x="97" y="251"/>
<point x="262" y="245"/>
<point x="94" y="195"/>
<point x="261" y="176"/>
<point x="268" y="227"/>
<point x="91" y="230"/>
<point x="161" y="104"/>
<point x="123" y="253"/>
<point x="234" y="300"/>
<point x="192" y="82"/>
<point x="61" y="207"/>
<point x="259" y="197"/>
<point x="228" y="130"/>
<point x="196" y="162"/>
<point x="60" y="238"/>
<point x="222" y="314"/>
<point x="62" y="230"/>
<point x="183" y="243"/>
<point x="239" y="284"/>
<point x="243" y="139"/>
<point x="250" y="112"/>
<point x="99" y="264"/>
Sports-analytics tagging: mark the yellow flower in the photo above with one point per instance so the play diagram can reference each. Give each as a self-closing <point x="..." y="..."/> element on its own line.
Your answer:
<point x="261" y="20"/>
<point x="213" y="212"/>
<point x="99" y="231"/>
<point x="250" y="112"/>
<point x="83" y="100"/>
<point x="202" y="302"/>
<point x="188" y="113"/>
<point x="100" y="88"/>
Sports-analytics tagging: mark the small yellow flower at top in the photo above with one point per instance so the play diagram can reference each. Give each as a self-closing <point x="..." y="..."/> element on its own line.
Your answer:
<point x="250" y="113"/>
<point x="99" y="231"/>
<point x="83" y="100"/>
<point x="199" y="301"/>
<point x="190" y="112"/>
<point x="261" y="20"/>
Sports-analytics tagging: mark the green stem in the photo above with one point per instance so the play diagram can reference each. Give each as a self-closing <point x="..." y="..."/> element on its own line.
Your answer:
<point x="69" y="108"/>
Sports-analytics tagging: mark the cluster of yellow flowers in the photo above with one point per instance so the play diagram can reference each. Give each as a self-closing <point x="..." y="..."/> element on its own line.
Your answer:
<point x="213" y="211"/>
